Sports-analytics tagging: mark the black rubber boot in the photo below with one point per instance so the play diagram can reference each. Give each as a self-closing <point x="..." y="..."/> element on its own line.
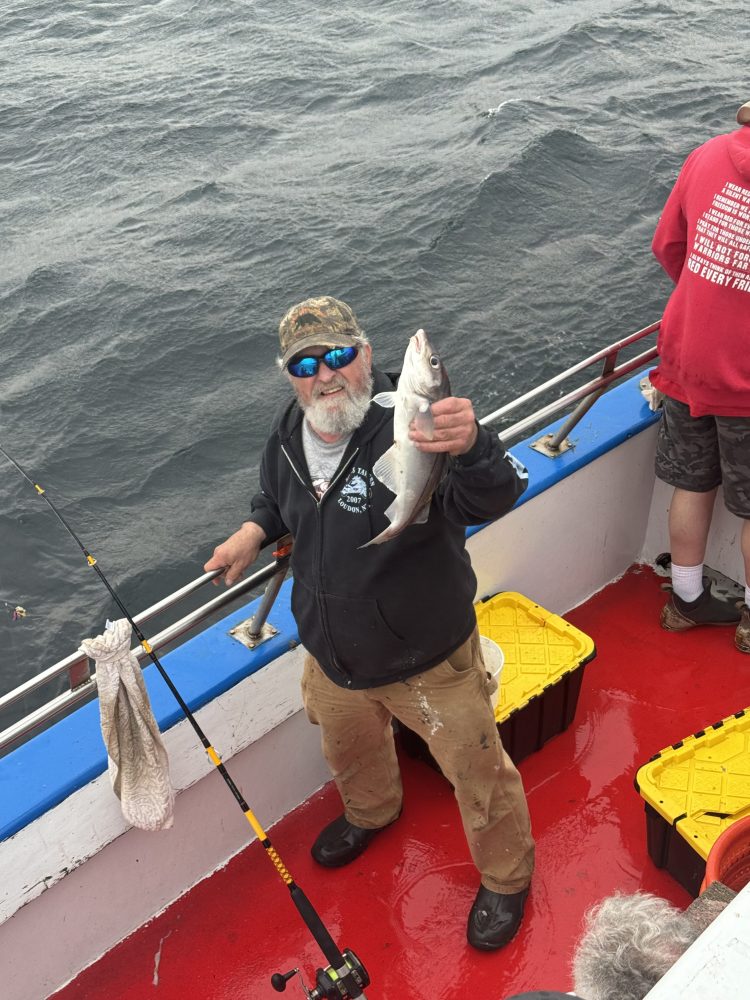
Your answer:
<point x="494" y="918"/>
<point x="341" y="842"/>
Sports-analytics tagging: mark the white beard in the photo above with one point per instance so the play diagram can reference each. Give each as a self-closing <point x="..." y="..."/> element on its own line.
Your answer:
<point x="342" y="413"/>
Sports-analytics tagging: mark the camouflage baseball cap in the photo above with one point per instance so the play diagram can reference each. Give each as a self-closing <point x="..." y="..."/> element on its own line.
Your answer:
<point x="743" y="115"/>
<point x="319" y="322"/>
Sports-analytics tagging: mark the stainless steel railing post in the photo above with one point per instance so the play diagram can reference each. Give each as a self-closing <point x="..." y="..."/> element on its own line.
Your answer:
<point x="585" y="405"/>
<point x="255" y="630"/>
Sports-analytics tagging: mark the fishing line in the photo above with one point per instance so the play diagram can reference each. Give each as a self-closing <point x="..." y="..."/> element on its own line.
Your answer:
<point x="346" y="977"/>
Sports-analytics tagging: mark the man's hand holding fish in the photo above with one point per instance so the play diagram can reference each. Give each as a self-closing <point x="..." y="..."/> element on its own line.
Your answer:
<point x="454" y="427"/>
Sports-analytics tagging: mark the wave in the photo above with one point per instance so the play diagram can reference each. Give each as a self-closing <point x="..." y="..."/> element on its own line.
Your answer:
<point x="178" y="174"/>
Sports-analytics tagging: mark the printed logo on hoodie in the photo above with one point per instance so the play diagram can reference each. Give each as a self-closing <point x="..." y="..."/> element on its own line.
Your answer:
<point x="355" y="493"/>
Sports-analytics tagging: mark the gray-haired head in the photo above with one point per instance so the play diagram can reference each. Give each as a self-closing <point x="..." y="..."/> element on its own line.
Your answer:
<point x="628" y="944"/>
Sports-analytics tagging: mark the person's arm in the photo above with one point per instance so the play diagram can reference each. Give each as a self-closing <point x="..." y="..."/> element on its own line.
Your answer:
<point x="238" y="552"/>
<point x="482" y="480"/>
<point x="669" y="244"/>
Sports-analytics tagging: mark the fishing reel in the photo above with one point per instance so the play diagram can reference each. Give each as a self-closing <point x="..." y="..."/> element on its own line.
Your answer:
<point x="329" y="985"/>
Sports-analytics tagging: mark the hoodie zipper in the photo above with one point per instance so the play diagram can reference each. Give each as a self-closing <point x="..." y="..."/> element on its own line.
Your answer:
<point x="346" y="462"/>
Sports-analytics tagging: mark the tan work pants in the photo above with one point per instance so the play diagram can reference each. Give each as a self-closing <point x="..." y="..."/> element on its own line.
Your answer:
<point x="449" y="707"/>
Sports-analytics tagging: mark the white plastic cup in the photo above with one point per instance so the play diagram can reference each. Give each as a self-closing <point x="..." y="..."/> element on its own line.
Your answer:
<point x="494" y="659"/>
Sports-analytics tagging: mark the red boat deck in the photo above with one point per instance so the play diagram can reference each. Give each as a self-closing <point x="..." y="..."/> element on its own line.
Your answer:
<point x="402" y="906"/>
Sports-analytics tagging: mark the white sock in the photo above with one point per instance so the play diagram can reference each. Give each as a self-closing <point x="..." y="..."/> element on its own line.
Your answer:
<point x="747" y="595"/>
<point x="687" y="581"/>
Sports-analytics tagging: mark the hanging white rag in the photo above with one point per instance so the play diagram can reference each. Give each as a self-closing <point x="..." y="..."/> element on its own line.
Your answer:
<point x="653" y="396"/>
<point x="138" y="763"/>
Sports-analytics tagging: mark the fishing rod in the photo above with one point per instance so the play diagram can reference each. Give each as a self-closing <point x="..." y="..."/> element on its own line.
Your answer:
<point x="346" y="977"/>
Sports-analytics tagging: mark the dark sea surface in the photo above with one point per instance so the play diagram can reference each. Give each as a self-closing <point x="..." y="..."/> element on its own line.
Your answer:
<point x="175" y="174"/>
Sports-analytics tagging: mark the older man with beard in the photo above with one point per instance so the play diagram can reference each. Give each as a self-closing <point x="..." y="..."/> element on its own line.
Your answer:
<point x="390" y="630"/>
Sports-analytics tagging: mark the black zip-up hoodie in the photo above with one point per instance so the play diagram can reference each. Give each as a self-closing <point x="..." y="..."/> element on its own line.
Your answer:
<point x="380" y="614"/>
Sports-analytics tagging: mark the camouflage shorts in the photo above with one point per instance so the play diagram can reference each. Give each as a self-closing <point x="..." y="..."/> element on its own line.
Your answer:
<point x="700" y="453"/>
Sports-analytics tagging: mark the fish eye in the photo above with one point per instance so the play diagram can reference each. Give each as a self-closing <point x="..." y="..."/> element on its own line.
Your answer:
<point x="434" y="361"/>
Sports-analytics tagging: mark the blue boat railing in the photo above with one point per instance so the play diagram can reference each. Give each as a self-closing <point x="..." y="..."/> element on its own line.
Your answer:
<point x="76" y="670"/>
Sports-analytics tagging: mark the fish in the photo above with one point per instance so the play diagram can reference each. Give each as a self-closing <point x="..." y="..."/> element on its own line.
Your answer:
<point x="412" y="475"/>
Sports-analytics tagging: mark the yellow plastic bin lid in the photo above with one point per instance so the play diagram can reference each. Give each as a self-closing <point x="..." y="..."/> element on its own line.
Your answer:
<point x="701" y="785"/>
<point x="540" y="648"/>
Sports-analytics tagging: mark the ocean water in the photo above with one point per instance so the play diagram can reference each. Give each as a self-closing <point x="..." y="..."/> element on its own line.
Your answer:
<point x="176" y="174"/>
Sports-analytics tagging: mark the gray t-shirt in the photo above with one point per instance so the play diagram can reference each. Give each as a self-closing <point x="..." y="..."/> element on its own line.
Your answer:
<point x="322" y="458"/>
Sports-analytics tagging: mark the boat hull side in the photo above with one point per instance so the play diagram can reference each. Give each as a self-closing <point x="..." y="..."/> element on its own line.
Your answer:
<point x="567" y="543"/>
<point x="584" y="516"/>
<point x="723" y="552"/>
<point x="80" y="881"/>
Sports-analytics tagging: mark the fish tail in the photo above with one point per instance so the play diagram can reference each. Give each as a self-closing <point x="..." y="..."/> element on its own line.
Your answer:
<point x="382" y="537"/>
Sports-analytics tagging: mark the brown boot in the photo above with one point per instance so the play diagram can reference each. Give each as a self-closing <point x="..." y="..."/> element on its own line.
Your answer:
<point x="678" y="615"/>
<point x="742" y="635"/>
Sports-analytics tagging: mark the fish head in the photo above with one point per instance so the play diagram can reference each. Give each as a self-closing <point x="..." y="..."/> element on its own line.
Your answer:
<point x="423" y="370"/>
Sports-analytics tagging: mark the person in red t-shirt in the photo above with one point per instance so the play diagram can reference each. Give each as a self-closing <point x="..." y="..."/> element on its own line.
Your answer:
<point x="702" y="241"/>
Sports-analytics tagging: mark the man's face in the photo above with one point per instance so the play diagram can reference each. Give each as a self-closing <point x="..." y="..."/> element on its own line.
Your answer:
<point x="336" y="402"/>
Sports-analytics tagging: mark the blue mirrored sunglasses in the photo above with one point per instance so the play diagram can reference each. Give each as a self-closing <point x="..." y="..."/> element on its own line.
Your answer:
<point x="337" y="357"/>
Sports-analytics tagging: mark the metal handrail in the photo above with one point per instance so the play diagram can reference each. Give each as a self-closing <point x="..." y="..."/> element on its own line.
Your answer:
<point x="77" y="667"/>
<point x="83" y="682"/>
<point x="73" y="662"/>
<point x="611" y="373"/>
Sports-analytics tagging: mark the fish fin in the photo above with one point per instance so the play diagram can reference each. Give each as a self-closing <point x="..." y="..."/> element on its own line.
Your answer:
<point x="385" y="399"/>
<point x="423" y="514"/>
<point x="391" y="512"/>
<point x="385" y="469"/>
<point x="423" y="420"/>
